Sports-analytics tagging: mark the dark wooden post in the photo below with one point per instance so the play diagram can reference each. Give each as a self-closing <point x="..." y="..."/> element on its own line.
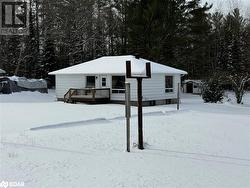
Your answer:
<point x="178" y="97"/>
<point x="93" y="94"/>
<point x="139" y="107"/>
<point x="128" y="114"/>
<point x="148" y="70"/>
<point x="139" y="98"/>
<point x="128" y="69"/>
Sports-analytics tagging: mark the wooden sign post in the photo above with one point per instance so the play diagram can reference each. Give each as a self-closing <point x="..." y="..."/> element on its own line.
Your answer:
<point x="128" y="114"/>
<point x="178" y="97"/>
<point x="139" y="98"/>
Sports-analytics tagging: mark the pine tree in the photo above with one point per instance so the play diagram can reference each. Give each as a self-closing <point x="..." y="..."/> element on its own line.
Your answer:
<point x="212" y="90"/>
<point x="199" y="39"/>
<point x="48" y="59"/>
<point x="236" y="60"/>
<point x="216" y="47"/>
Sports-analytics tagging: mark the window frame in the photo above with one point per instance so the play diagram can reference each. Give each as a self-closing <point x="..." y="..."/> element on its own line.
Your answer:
<point x="103" y="80"/>
<point x="87" y="82"/>
<point x="118" y="90"/>
<point x="169" y="89"/>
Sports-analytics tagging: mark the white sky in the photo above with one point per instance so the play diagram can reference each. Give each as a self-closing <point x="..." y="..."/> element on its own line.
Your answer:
<point x="227" y="5"/>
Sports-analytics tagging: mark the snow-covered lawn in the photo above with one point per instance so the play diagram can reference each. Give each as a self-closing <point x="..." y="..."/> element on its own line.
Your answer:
<point x="50" y="144"/>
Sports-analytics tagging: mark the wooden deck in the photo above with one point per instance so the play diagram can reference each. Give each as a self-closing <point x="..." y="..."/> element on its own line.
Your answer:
<point x="88" y="95"/>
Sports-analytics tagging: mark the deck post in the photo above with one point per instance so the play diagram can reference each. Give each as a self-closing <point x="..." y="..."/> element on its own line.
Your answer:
<point x="93" y="92"/>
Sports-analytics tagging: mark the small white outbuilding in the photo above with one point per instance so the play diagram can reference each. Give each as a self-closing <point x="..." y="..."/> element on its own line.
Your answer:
<point x="192" y="86"/>
<point x="109" y="72"/>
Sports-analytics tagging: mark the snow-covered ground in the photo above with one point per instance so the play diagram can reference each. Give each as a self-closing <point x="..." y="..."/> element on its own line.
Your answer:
<point x="49" y="144"/>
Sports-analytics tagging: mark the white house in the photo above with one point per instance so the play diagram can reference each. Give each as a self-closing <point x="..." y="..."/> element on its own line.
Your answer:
<point x="109" y="73"/>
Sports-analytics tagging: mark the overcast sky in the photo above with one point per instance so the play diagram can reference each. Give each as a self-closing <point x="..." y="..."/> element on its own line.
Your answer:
<point x="226" y="5"/>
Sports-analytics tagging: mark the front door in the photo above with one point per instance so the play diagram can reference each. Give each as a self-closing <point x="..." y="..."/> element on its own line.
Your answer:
<point x="103" y="81"/>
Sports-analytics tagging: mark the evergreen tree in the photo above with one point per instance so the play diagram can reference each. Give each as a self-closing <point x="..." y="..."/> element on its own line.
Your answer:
<point x="217" y="37"/>
<point x="171" y="32"/>
<point x="177" y="33"/>
<point x="9" y="53"/>
<point x="212" y="90"/>
<point x="236" y="60"/>
<point x="199" y="27"/>
<point x="48" y="59"/>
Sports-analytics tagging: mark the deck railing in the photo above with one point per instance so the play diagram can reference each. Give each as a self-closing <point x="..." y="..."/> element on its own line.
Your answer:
<point x="87" y="95"/>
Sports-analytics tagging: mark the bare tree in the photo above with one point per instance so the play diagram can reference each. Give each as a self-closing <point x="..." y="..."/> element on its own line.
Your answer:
<point x="238" y="82"/>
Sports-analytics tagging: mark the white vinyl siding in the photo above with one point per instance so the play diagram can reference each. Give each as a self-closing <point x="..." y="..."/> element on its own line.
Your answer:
<point x="153" y="89"/>
<point x="65" y="82"/>
<point x="196" y="88"/>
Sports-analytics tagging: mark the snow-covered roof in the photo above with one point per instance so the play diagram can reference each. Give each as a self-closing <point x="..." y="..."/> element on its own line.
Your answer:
<point x="194" y="81"/>
<point x="29" y="83"/>
<point x="2" y="71"/>
<point x="117" y="65"/>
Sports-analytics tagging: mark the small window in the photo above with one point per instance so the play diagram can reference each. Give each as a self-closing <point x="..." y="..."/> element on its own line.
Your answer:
<point x="104" y="82"/>
<point x="90" y="81"/>
<point x="169" y="84"/>
<point x="118" y="84"/>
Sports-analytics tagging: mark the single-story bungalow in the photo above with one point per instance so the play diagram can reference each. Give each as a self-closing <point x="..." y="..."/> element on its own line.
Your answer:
<point x="192" y="86"/>
<point x="106" y="76"/>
